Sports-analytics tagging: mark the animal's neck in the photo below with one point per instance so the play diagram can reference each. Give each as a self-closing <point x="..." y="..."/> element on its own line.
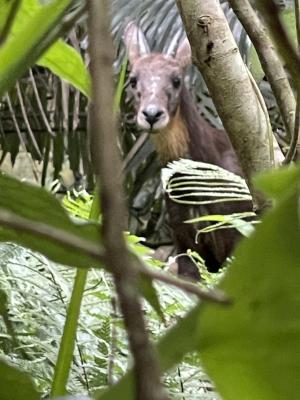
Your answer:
<point x="202" y="136"/>
<point x="173" y="142"/>
<point x="188" y="135"/>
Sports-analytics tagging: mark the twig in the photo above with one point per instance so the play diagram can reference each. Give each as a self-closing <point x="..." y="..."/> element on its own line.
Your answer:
<point x="297" y="18"/>
<point x="20" y="136"/>
<point x="75" y="243"/>
<point x="56" y="235"/>
<point x="135" y="148"/>
<point x="266" y="114"/>
<point x="294" y="140"/>
<point x="270" y="61"/>
<point x="39" y="103"/>
<point x="26" y="120"/>
<point x="214" y="296"/>
<point x="113" y="342"/>
<point x="148" y="385"/>
<point x="285" y="47"/>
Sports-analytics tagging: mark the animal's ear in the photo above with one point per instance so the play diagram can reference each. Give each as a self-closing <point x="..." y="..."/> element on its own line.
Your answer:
<point x="184" y="53"/>
<point x="135" y="42"/>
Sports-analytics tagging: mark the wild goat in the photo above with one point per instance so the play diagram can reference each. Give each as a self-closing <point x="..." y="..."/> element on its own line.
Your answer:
<point x="165" y="108"/>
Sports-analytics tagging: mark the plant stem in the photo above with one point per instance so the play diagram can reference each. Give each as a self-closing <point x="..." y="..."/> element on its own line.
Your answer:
<point x="67" y="344"/>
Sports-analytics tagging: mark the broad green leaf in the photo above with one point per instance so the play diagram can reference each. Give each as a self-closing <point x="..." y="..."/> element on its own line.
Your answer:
<point x="5" y="9"/>
<point x="251" y="349"/>
<point x="61" y="58"/>
<point x="36" y="204"/>
<point x="22" y="49"/>
<point x="64" y="61"/>
<point x="277" y="183"/>
<point x="15" y="385"/>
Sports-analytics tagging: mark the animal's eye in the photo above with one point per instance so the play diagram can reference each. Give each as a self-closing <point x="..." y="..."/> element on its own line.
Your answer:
<point x="176" y="81"/>
<point x="133" y="82"/>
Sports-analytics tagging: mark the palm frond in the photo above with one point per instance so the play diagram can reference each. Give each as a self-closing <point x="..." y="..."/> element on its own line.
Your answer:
<point x="193" y="182"/>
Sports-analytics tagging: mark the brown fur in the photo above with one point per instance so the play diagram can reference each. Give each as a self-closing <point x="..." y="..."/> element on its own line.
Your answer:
<point x="210" y="145"/>
<point x="172" y="142"/>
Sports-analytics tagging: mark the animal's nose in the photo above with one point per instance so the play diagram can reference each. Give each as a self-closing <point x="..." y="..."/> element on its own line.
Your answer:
<point x="152" y="114"/>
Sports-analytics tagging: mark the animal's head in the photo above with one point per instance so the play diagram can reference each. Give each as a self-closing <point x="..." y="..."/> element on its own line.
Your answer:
<point x="155" y="80"/>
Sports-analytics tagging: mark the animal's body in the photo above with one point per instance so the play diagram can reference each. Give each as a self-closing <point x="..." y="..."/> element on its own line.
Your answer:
<point x="164" y="107"/>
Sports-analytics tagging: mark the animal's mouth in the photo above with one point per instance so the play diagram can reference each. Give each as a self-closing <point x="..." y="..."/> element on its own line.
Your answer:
<point x="153" y="131"/>
<point x="154" y="126"/>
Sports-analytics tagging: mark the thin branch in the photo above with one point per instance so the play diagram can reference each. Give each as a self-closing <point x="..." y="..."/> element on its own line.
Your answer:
<point x="270" y="61"/>
<point x="56" y="235"/>
<point x="113" y="342"/>
<point x="286" y="49"/>
<point x="213" y="296"/>
<point x="294" y="140"/>
<point x="134" y="150"/>
<point x="26" y="120"/>
<point x="75" y="243"/>
<point x="297" y="18"/>
<point x="20" y="136"/>
<point x="39" y="103"/>
<point x="103" y="130"/>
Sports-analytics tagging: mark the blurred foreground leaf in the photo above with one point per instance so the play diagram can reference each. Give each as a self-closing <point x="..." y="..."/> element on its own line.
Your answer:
<point x="33" y="31"/>
<point x="250" y="350"/>
<point x="15" y="384"/>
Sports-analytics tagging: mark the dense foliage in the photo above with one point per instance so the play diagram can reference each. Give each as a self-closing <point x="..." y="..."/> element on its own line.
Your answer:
<point x="248" y="346"/>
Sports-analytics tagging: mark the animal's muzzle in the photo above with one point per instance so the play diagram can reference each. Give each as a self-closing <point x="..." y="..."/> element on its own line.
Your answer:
<point x="152" y="114"/>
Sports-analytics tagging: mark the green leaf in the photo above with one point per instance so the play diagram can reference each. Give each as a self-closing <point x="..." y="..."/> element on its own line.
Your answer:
<point x="150" y="294"/>
<point x="61" y="58"/>
<point x="235" y="220"/>
<point x="251" y="349"/>
<point x="3" y="303"/>
<point x="37" y="205"/>
<point x="15" y="384"/>
<point x="277" y="183"/>
<point x="6" y="8"/>
<point x="64" y="61"/>
<point x="22" y="49"/>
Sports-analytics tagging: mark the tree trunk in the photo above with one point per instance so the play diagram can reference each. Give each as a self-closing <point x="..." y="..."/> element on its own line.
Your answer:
<point x="216" y="55"/>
